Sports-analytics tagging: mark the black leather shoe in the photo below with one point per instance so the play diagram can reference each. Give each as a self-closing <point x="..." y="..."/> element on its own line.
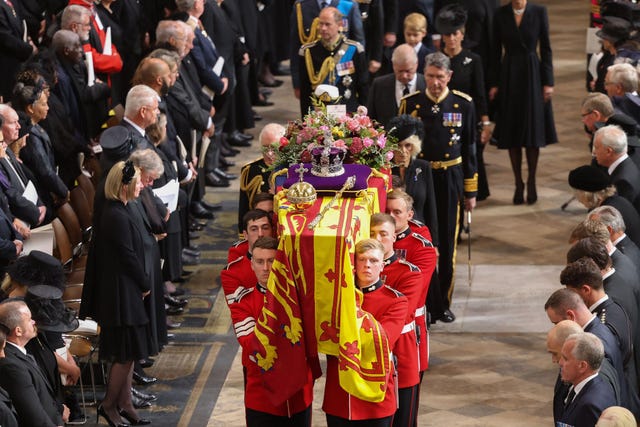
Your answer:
<point x="173" y="325"/>
<point x="140" y="403"/>
<point x="223" y="175"/>
<point x="257" y="117"/>
<point x="238" y="141"/>
<point x="226" y="163"/>
<point x="146" y="363"/>
<point x="273" y="83"/>
<point x="190" y="252"/>
<point x="211" y="206"/>
<point x="189" y="260"/>
<point x="195" y="227"/>
<point x="193" y="236"/>
<point x="263" y="103"/>
<point x="213" y="180"/>
<point x="228" y="152"/>
<point x="265" y="91"/>
<point x="142" y="380"/>
<point x="447" y="316"/>
<point x="198" y="211"/>
<point x="133" y="421"/>
<point x="144" y="396"/>
<point x="173" y="311"/>
<point x="171" y="337"/>
<point x="175" y="302"/>
<point x="245" y="136"/>
<point x="193" y="247"/>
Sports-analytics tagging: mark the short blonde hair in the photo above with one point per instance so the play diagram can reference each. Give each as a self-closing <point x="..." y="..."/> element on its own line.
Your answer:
<point x="368" y="245"/>
<point x="616" y="416"/>
<point x="113" y="184"/>
<point x="415" y="22"/>
<point x="397" y="193"/>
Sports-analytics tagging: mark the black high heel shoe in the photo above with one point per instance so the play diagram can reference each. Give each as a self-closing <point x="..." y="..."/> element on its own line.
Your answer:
<point x="103" y="414"/>
<point x="532" y="193"/>
<point x="134" y="422"/>
<point x="518" y="195"/>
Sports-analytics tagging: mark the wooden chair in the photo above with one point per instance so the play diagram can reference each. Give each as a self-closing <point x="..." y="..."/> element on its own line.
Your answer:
<point x="62" y="250"/>
<point x="71" y="223"/>
<point x="80" y="205"/>
<point x="87" y="187"/>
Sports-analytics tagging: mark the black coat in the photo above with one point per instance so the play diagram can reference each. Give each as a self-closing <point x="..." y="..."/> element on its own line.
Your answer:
<point x="468" y="77"/>
<point x="523" y="118"/>
<point x="121" y="274"/>
<point x="418" y="182"/>
<point x="630" y="249"/>
<point x="13" y="50"/>
<point x="626" y="177"/>
<point x="383" y="90"/>
<point x="19" y="176"/>
<point x="8" y="415"/>
<point x="7" y="248"/>
<point x="31" y="394"/>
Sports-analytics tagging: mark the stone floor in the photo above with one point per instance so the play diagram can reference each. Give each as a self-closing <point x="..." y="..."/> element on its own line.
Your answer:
<point x="489" y="367"/>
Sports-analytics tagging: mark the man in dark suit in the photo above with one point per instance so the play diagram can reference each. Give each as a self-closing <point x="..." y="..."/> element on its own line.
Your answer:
<point x="610" y="151"/>
<point x="21" y="377"/>
<point x="565" y="304"/>
<point x="584" y="278"/>
<point x="589" y="395"/>
<point x="404" y="81"/>
<point x="612" y="219"/>
<point x="621" y="83"/>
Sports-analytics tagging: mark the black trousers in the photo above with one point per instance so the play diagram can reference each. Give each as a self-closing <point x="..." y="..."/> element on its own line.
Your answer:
<point x="262" y="419"/>
<point x="407" y="412"/>
<point x="333" y="421"/>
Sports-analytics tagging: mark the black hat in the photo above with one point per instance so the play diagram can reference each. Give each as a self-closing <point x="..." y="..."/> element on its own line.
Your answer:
<point x="627" y="124"/>
<point x="117" y="143"/>
<point x="37" y="268"/>
<point x="589" y="178"/>
<point x="48" y="310"/>
<point x="617" y="8"/>
<point x="404" y="126"/>
<point x="451" y="18"/>
<point x="614" y="29"/>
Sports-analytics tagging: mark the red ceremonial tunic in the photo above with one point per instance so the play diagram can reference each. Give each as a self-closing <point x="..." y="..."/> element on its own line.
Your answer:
<point x="236" y="276"/>
<point x="420" y="252"/>
<point x="244" y="313"/>
<point x="406" y="278"/>
<point x="389" y="308"/>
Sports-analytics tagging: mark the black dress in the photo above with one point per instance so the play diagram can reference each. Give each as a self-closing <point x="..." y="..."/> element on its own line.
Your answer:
<point x="523" y="118"/>
<point x="121" y="278"/>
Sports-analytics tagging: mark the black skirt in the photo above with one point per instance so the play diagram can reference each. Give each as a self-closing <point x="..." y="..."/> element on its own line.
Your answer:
<point x="123" y="344"/>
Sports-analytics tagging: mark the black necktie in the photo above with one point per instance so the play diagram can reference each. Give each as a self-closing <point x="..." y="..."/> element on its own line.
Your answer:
<point x="324" y="4"/>
<point x="405" y="91"/>
<point x="570" y="397"/>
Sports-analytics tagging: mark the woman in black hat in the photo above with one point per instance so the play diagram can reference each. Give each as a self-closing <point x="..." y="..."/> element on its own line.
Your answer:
<point x="468" y="77"/>
<point x="522" y="87"/>
<point x="593" y="188"/>
<point x="120" y="284"/>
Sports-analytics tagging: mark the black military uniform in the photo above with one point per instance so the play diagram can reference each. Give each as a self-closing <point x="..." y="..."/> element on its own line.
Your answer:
<point x="254" y="179"/>
<point x="450" y="146"/>
<point x="342" y="65"/>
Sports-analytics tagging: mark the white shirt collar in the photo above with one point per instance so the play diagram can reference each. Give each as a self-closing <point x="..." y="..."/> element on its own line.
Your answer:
<point x="417" y="47"/>
<point x="597" y="303"/>
<point x="583" y="383"/>
<point x="615" y="242"/>
<point x="135" y="126"/>
<point x="615" y="164"/>
<point x="608" y="273"/>
<point x="22" y="349"/>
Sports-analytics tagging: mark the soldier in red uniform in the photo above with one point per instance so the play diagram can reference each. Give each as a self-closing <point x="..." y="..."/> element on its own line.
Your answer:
<point x="245" y="309"/>
<point x="389" y="308"/>
<point x="404" y="277"/>
<point x="416" y="249"/>
<point x="238" y="273"/>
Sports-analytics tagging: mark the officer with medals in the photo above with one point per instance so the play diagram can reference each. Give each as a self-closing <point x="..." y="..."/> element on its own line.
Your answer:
<point x="333" y="60"/>
<point x="450" y="146"/>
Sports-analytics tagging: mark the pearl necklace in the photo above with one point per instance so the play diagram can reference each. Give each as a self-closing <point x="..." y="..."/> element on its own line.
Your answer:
<point x="519" y="11"/>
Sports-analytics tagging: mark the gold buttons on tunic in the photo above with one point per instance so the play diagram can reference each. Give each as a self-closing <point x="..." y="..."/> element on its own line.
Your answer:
<point x="455" y="106"/>
<point x="446" y="156"/>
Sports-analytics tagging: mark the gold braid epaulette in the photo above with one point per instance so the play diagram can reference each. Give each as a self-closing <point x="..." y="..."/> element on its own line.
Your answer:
<point x="402" y="109"/>
<point x="313" y="31"/>
<point x="328" y="66"/>
<point x="252" y="187"/>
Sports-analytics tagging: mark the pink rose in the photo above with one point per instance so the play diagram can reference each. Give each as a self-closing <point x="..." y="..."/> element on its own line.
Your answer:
<point x="367" y="142"/>
<point x="389" y="155"/>
<point x="356" y="145"/>
<point x="340" y="144"/>
<point x="382" y="141"/>
<point x="353" y="125"/>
